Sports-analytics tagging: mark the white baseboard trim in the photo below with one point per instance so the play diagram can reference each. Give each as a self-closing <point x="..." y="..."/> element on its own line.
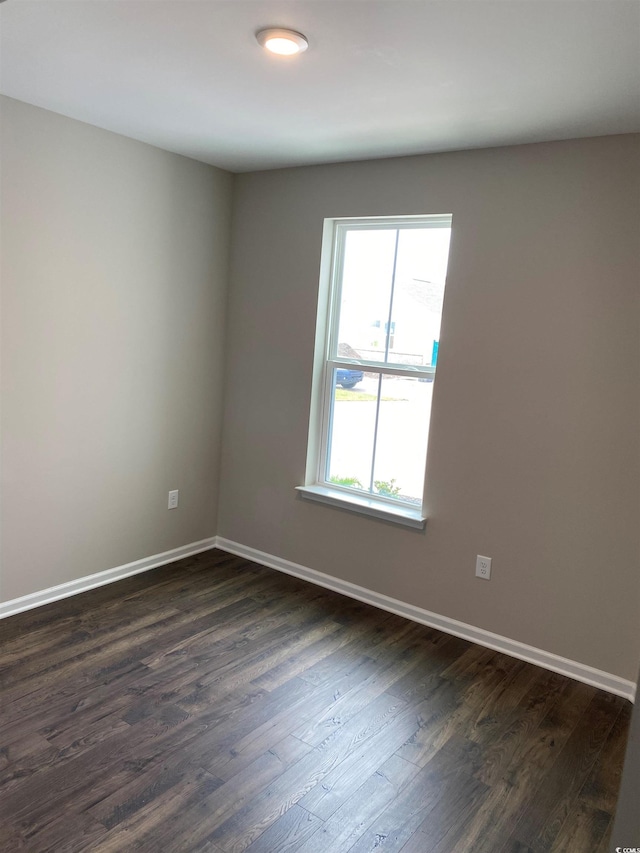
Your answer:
<point x="64" y="590"/>
<point x="547" y="660"/>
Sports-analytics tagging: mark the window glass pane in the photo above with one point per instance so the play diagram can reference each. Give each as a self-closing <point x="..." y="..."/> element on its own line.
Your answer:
<point x="418" y="294"/>
<point x="367" y="275"/>
<point x="393" y="464"/>
<point x="401" y="446"/>
<point x="351" y="431"/>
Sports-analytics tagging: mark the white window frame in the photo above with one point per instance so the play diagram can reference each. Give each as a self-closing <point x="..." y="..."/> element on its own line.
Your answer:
<point x="326" y="361"/>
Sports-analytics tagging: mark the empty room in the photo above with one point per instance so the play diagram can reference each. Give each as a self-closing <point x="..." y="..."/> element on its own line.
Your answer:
<point x="320" y="426"/>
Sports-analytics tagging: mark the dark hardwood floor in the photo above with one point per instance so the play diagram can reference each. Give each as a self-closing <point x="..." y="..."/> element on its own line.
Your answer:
<point x="215" y="705"/>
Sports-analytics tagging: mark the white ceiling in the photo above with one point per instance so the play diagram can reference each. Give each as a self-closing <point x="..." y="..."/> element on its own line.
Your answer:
<point x="380" y="77"/>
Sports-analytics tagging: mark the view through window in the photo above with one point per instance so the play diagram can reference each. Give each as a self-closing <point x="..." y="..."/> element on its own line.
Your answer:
<point x="387" y="291"/>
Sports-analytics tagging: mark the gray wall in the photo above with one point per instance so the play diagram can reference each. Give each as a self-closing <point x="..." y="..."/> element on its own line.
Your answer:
<point x="534" y="443"/>
<point x="114" y="271"/>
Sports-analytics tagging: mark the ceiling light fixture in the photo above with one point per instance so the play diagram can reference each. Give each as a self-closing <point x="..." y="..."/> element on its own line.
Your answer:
<point x="282" y="42"/>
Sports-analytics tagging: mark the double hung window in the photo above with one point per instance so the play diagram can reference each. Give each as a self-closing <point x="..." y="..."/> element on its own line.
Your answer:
<point x="376" y="357"/>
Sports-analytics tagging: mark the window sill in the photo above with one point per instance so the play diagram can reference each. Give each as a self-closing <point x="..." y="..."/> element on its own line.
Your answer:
<point x="365" y="506"/>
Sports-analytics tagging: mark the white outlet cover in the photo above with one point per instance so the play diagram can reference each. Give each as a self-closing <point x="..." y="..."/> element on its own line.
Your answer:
<point x="173" y="499"/>
<point x="483" y="567"/>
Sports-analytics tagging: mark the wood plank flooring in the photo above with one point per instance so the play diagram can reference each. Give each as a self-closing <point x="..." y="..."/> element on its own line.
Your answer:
<point x="215" y="705"/>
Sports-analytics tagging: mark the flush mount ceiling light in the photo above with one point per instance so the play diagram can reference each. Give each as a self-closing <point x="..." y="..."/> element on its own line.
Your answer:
<point x="282" y="42"/>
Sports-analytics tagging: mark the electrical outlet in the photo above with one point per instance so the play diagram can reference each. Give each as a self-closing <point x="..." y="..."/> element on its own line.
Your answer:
<point x="173" y="499"/>
<point x="483" y="567"/>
